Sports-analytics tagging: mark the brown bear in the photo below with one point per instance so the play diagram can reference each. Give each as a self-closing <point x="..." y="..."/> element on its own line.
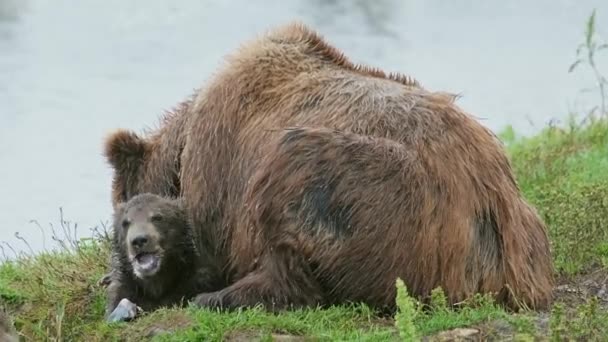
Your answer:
<point x="155" y="261"/>
<point x="379" y="178"/>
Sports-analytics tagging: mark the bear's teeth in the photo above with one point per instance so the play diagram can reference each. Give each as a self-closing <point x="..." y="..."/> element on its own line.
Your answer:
<point x="147" y="261"/>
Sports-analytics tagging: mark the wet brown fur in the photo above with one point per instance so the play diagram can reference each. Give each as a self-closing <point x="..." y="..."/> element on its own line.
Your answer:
<point x="430" y="192"/>
<point x="185" y="271"/>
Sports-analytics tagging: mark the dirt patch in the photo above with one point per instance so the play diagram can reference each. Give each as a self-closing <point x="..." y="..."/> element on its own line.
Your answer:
<point x="170" y="323"/>
<point x="250" y="335"/>
<point x="459" y="334"/>
<point x="576" y="290"/>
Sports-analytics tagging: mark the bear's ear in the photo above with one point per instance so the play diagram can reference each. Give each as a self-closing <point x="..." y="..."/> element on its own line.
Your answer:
<point x="118" y="210"/>
<point x="124" y="150"/>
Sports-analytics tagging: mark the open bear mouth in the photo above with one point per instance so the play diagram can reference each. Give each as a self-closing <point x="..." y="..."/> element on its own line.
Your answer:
<point x="146" y="264"/>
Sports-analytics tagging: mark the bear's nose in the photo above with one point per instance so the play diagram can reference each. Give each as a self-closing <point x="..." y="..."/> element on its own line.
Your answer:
<point x="139" y="241"/>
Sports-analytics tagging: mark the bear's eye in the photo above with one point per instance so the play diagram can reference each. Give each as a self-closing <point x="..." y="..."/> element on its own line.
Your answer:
<point x="126" y="223"/>
<point x="156" y="218"/>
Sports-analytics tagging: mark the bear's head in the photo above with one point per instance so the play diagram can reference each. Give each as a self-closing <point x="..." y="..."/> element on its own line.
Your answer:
<point x="152" y="236"/>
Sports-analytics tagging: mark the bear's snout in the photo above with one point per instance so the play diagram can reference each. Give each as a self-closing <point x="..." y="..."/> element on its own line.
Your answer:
<point x="142" y="237"/>
<point x="140" y="241"/>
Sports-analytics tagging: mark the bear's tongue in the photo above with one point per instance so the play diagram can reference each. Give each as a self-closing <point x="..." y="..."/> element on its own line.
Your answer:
<point x="147" y="261"/>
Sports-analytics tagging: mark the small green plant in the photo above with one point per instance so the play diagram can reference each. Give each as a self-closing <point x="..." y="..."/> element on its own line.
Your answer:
<point x="439" y="301"/>
<point x="587" y="323"/>
<point x="507" y="135"/>
<point x="407" y="310"/>
<point x="602" y="252"/>
<point x="556" y="323"/>
<point x="523" y="324"/>
<point x="587" y="52"/>
<point x="590" y="320"/>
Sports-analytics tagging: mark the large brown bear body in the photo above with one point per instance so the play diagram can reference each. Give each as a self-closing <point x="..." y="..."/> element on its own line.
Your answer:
<point x="379" y="178"/>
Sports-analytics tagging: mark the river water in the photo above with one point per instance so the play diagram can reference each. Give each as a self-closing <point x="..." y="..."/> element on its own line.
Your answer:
<point x="70" y="71"/>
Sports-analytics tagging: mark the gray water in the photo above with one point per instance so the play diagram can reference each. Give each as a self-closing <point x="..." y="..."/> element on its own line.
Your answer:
<point x="71" y="71"/>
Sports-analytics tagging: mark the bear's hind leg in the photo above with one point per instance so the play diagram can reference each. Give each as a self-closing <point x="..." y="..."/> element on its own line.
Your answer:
<point x="282" y="281"/>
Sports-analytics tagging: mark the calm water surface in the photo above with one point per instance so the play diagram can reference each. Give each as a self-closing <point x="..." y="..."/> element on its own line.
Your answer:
<point x="70" y="71"/>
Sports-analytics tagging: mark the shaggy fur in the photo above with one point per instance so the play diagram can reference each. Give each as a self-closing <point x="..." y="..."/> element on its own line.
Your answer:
<point x="184" y="271"/>
<point x="383" y="178"/>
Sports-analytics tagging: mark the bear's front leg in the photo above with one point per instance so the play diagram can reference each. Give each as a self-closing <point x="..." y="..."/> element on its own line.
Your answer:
<point x="246" y="293"/>
<point x="119" y="305"/>
<point x="280" y="283"/>
<point x="210" y="300"/>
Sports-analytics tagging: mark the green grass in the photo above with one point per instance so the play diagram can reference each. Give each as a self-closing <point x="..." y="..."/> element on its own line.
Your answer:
<point x="563" y="172"/>
<point x="54" y="295"/>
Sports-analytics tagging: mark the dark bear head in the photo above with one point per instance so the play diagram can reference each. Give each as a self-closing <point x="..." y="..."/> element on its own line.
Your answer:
<point x="152" y="236"/>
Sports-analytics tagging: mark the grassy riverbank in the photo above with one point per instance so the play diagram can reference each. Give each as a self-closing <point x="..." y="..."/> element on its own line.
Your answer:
<point x="54" y="296"/>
